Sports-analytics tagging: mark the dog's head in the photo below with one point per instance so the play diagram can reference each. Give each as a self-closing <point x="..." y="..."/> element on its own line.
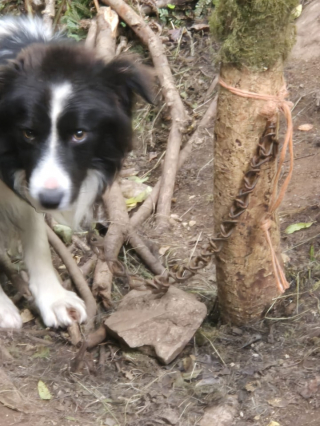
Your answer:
<point x="63" y="114"/>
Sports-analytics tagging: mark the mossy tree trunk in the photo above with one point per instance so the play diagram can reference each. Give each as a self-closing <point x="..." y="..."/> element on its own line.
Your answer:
<point x="252" y="60"/>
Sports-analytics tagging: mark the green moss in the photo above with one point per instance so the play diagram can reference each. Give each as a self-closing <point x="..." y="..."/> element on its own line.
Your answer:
<point x="255" y="33"/>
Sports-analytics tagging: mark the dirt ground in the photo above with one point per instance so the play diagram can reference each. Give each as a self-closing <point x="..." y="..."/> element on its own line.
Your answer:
<point x="270" y="370"/>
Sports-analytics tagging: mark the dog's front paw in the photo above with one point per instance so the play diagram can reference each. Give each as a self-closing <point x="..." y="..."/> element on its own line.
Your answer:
<point x="58" y="307"/>
<point x="9" y="313"/>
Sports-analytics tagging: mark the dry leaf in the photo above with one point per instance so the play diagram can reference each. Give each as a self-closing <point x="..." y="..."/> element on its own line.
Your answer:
<point x="43" y="391"/>
<point x="163" y="250"/>
<point x="252" y="386"/>
<point x="192" y="374"/>
<point x="152" y="155"/>
<point x="188" y="363"/>
<point x="64" y="232"/>
<point x="297" y="227"/>
<point x="305" y="127"/>
<point x="134" y="192"/>
<point x="278" y="402"/>
<point x="175" y="217"/>
<point x="26" y="316"/>
<point x="175" y="34"/>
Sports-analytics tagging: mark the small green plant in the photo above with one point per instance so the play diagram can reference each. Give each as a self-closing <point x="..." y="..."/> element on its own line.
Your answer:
<point x="202" y="7"/>
<point x="163" y="15"/>
<point x="75" y="12"/>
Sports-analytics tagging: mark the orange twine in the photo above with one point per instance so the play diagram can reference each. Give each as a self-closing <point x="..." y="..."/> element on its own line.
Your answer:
<point x="275" y="104"/>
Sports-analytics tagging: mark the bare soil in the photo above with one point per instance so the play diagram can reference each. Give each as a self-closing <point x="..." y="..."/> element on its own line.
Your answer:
<point x="272" y="368"/>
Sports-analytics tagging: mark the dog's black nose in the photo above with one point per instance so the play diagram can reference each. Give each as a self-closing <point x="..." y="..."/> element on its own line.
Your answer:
<point x="51" y="198"/>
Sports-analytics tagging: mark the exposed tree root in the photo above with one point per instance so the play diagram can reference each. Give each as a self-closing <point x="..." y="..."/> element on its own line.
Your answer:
<point x="145" y="254"/>
<point x="172" y="98"/>
<point x="102" y="283"/>
<point x="97" y="337"/>
<point x="119" y="221"/>
<point x="107" y="24"/>
<point x="75" y="275"/>
<point x="92" y="35"/>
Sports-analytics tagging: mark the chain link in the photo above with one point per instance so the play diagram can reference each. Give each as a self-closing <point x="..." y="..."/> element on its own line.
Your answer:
<point x="267" y="150"/>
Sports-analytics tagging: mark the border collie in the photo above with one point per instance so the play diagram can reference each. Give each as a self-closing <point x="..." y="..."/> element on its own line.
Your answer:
<point x="65" y="127"/>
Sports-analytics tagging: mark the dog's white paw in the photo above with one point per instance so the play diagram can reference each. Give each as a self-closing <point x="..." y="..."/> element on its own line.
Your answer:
<point x="9" y="313"/>
<point x="58" y="307"/>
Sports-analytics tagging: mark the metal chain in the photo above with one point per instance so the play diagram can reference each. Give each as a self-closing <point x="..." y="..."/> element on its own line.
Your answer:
<point x="267" y="150"/>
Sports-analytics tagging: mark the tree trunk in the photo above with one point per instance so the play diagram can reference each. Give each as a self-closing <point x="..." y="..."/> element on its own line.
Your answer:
<point x="246" y="282"/>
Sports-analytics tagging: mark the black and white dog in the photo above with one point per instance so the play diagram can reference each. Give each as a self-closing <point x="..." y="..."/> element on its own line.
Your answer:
<point x="65" y="126"/>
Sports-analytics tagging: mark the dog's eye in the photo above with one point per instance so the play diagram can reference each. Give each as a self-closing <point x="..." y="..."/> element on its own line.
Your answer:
<point x="29" y="135"/>
<point x="79" y="136"/>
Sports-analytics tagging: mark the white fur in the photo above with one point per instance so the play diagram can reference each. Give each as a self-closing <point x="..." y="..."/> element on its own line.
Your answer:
<point x="9" y="314"/>
<point x="52" y="300"/>
<point x="50" y="167"/>
<point x="27" y="25"/>
<point x="81" y="210"/>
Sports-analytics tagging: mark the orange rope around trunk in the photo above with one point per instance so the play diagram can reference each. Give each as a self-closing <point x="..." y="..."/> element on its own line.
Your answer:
<point x="275" y="104"/>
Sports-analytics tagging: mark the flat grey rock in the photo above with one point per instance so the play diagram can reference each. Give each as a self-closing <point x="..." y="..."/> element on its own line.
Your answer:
<point x="166" y="323"/>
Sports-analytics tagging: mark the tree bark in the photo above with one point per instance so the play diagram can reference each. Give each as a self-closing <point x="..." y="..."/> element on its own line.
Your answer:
<point x="246" y="282"/>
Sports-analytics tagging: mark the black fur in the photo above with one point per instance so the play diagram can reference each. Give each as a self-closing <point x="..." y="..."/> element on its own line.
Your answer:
<point x="100" y="104"/>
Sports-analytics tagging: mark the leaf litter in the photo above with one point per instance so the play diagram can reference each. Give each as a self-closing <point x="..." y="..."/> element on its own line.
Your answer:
<point x="122" y="386"/>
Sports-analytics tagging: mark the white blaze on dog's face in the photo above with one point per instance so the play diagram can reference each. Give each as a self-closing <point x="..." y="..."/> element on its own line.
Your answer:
<point x="50" y="185"/>
<point x="65" y="123"/>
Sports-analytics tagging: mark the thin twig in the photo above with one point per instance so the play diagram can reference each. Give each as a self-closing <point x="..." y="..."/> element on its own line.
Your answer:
<point x="302" y="242"/>
<point x="96" y="4"/>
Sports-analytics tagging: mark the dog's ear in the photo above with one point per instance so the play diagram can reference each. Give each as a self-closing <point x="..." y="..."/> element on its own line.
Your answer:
<point x="128" y="78"/>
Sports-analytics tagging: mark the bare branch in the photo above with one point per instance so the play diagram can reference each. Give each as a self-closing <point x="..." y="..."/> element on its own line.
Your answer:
<point x="49" y="12"/>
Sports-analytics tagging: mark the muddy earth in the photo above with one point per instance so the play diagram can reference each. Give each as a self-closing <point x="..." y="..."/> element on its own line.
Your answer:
<point x="269" y="372"/>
